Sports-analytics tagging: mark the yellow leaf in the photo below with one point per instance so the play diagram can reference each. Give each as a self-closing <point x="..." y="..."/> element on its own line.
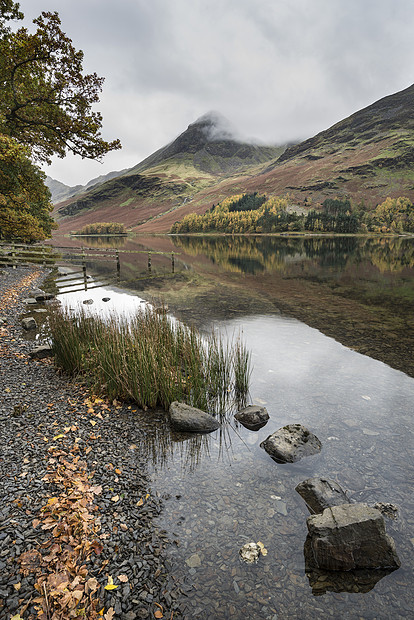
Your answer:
<point x="58" y="437"/>
<point x="115" y="498"/>
<point x="17" y="586"/>
<point x="92" y="422"/>
<point x="16" y="617"/>
<point x="141" y="501"/>
<point x="52" y="500"/>
<point x="110" y="585"/>
<point x="102" y="611"/>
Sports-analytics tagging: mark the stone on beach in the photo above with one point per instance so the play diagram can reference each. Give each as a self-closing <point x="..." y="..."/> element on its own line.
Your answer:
<point x="41" y="352"/>
<point x="29" y="323"/>
<point x="291" y="443"/>
<point x="188" y="419"/>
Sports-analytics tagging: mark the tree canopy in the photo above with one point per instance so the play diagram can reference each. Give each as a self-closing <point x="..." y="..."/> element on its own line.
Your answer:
<point x="24" y="198"/>
<point x="46" y="108"/>
<point x="46" y="100"/>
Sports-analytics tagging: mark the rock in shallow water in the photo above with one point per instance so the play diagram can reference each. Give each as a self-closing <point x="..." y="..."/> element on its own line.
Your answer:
<point x="253" y="417"/>
<point x="291" y="443"/>
<point x="351" y="536"/>
<point x="321" y="493"/>
<point x="191" y="420"/>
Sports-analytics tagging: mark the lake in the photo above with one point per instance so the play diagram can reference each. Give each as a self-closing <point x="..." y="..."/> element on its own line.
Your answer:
<point x="329" y="323"/>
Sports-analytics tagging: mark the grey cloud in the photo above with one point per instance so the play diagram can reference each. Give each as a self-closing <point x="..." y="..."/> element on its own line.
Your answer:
<point x="279" y="70"/>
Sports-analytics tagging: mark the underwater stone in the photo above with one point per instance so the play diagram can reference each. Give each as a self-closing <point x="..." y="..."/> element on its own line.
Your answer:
<point x="321" y="493"/>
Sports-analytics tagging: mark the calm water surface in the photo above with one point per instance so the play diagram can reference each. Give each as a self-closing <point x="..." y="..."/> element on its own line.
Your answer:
<point x="222" y="490"/>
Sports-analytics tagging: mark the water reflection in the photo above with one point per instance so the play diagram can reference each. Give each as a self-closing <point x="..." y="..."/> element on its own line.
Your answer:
<point x="102" y="241"/>
<point x="244" y="254"/>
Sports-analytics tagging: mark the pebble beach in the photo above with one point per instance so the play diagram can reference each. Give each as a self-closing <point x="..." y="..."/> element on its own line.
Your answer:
<point x="46" y="420"/>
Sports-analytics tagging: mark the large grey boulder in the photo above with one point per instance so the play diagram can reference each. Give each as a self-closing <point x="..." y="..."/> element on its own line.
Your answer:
<point x="41" y="352"/>
<point x="188" y="419"/>
<point x="291" y="443"/>
<point x="252" y="417"/>
<point x="351" y="536"/>
<point x="29" y="323"/>
<point x="321" y="493"/>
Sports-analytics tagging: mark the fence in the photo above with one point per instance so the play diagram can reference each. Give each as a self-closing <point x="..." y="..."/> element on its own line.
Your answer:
<point x="14" y="254"/>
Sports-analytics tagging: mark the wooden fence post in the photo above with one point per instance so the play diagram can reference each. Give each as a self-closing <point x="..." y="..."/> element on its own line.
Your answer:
<point x="172" y="262"/>
<point x="118" y="266"/>
<point x="85" y="279"/>
<point x="149" y="262"/>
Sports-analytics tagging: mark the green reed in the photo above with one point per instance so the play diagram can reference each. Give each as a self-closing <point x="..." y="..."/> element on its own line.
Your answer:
<point x="151" y="360"/>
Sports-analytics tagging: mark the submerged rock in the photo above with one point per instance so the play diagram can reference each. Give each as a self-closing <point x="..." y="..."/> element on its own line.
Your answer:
<point x="189" y="419"/>
<point x="321" y="493"/>
<point x="351" y="536"/>
<point x="29" y="323"/>
<point x="106" y="298"/>
<point x="250" y="553"/>
<point x="388" y="510"/>
<point x="88" y="302"/>
<point x="253" y="417"/>
<point x="291" y="443"/>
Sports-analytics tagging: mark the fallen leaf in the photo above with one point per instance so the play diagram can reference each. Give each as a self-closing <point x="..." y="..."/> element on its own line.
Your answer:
<point x="35" y="523"/>
<point x="115" y="498"/>
<point x="110" y="586"/>
<point x="158" y="614"/>
<point x="92" y="422"/>
<point x="118" y="471"/>
<point x="92" y="584"/>
<point x="110" y="613"/>
<point x="16" y="617"/>
<point x="123" y="578"/>
<point x="17" y="586"/>
<point x="58" y="437"/>
<point x="140" y="502"/>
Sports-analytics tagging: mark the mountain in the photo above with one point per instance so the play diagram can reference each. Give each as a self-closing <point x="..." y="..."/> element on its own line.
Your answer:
<point x="365" y="157"/>
<point x="204" y="155"/>
<point x="61" y="192"/>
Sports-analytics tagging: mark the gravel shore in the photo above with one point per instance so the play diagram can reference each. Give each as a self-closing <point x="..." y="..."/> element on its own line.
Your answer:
<point x="39" y="411"/>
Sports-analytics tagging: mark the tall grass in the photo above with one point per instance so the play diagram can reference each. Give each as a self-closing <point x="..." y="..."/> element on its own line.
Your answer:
<point x="150" y="360"/>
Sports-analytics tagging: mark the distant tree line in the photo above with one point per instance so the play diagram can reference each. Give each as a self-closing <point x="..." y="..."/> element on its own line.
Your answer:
<point x="103" y="228"/>
<point x="258" y="213"/>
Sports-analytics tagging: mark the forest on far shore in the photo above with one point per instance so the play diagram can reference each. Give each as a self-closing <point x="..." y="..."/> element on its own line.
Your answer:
<point x="258" y="213"/>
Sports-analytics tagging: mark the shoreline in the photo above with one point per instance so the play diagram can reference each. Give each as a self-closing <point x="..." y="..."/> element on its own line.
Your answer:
<point x="42" y="411"/>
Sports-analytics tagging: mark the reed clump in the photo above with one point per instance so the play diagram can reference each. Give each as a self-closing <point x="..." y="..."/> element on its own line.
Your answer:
<point x="151" y="360"/>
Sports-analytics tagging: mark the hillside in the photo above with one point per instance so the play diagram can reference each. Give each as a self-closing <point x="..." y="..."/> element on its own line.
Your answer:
<point x="365" y="157"/>
<point x="201" y="157"/>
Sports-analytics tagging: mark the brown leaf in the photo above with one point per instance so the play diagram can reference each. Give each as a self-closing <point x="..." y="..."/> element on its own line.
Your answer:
<point x="123" y="578"/>
<point x="92" y="584"/>
<point x="158" y="614"/>
<point x="109" y="614"/>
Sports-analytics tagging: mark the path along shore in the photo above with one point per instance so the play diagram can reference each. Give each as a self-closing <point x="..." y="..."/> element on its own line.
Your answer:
<point x="70" y="460"/>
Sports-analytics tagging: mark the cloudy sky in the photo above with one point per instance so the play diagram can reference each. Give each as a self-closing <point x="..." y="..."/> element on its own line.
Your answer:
<point x="279" y="70"/>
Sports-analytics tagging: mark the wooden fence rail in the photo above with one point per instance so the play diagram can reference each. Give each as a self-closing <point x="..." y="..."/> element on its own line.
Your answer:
<point x="13" y="254"/>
